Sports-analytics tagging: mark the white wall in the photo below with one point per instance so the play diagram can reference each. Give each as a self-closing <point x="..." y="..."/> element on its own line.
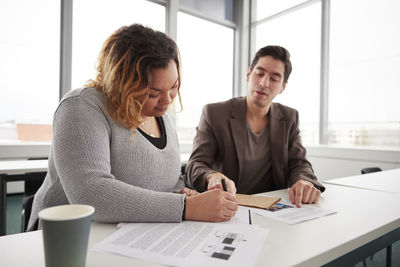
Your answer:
<point x="334" y="162"/>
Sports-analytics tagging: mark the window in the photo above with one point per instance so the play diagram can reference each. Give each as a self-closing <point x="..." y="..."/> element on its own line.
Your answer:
<point x="217" y="9"/>
<point x="96" y="20"/>
<point x="207" y="69"/>
<point x="300" y="33"/>
<point x="364" y="75"/>
<point x="266" y="8"/>
<point x="29" y="67"/>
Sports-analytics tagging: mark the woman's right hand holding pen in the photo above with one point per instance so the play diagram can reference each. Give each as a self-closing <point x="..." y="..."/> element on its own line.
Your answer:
<point x="212" y="206"/>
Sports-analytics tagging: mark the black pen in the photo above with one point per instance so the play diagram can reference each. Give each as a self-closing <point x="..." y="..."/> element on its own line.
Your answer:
<point x="224" y="184"/>
<point x="249" y="217"/>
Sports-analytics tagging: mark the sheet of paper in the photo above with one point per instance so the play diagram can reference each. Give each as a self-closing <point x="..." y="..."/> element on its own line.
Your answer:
<point x="241" y="217"/>
<point x="286" y="212"/>
<point x="187" y="243"/>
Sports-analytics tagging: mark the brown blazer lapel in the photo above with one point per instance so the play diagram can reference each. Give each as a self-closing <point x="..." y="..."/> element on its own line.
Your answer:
<point x="277" y="144"/>
<point x="238" y="130"/>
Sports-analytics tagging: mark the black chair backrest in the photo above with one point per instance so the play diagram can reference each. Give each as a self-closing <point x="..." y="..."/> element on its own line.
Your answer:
<point x="32" y="185"/>
<point x="183" y="168"/>
<point x="370" y="169"/>
<point x="26" y="212"/>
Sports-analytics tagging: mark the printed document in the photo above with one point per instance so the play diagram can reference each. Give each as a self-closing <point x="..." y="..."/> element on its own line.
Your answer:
<point x="286" y="212"/>
<point x="241" y="217"/>
<point x="187" y="243"/>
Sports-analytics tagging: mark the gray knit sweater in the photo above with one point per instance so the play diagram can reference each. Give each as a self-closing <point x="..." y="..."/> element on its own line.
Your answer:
<point x="94" y="160"/>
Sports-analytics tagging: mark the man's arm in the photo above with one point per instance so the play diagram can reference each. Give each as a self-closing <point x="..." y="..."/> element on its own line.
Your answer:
<point x="203" y="154"/>
<point x="299" y="168"/>
<point x="304" y="186"/>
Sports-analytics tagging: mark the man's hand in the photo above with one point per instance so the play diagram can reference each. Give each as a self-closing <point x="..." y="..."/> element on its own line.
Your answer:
<point x="214" y="182"/>
<point x="303" y="192"/>
<point x="188" y="192"/>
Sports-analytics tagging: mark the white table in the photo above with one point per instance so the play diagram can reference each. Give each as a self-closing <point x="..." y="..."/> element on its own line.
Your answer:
<point x="366" y="221"/>
<point x="15" y="170"/>
<point x="385" y="181"/>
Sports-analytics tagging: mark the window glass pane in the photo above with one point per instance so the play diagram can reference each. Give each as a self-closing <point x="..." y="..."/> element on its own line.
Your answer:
<point x="91" y="28"/>
<point x="266" y="8"/>
<point x="207" y="69"/>
<point x="364" y="88"/>
<point x="218" y="9"/>
<point x="300" y="33"/>
<point x="29" y="67"/>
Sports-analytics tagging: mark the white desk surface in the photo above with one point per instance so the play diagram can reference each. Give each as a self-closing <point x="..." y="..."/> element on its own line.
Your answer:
<point x="385" y="181"/>
<point x="23" y="166"/>
<point x="363" y="215"/>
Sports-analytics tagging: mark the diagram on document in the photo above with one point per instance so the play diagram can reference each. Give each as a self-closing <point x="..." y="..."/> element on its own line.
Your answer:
<point x="223" y="245"/>
<point x="187" y="244"/>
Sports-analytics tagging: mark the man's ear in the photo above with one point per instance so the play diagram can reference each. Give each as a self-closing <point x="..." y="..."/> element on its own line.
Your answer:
<point x="248" y="75"/>
<point x="283" y="87"/>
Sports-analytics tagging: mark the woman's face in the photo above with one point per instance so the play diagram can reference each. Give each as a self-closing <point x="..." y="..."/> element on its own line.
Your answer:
<point x="163" y="89"/>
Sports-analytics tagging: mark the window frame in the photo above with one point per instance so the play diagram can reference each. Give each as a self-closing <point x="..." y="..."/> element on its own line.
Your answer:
<point x="244" y="47"/>
<point x="24" y="150"/>
<point x="324" y="60"/>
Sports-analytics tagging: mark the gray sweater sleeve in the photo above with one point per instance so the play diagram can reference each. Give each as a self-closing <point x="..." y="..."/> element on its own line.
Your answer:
<point x="81" y="147"/>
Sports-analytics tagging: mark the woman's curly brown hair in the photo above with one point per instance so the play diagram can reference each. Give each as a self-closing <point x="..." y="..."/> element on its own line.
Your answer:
<point x="124" y="70"/>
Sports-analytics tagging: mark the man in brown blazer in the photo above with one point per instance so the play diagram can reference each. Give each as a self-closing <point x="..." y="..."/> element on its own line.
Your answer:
<point x="253" y="143"/>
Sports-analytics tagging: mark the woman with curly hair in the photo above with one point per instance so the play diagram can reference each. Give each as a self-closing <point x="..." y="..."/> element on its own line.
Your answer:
<point x="114" y="145"/>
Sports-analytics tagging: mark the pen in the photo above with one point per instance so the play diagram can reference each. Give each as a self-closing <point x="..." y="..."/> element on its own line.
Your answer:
<point x="249" y="217"/>
<point x="224" y="184"/>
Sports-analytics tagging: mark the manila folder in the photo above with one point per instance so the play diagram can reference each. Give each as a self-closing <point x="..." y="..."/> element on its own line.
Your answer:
<point x="260" y="202"/>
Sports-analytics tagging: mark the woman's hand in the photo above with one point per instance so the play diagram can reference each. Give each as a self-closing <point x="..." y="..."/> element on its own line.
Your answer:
<point x="211" y="206"/>
<point x="214" y="182"/>
<point x="188" y="192"/>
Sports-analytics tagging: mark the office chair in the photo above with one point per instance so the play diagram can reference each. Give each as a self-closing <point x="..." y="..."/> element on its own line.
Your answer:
<point x="33" y="182"/>
<point x="26" y="212"/>
<point x="388" y="248"/>
<point x="370" y="169"/>
<point x="183" y="168"/>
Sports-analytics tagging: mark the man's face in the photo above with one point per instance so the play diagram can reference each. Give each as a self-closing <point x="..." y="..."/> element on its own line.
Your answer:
<point x="265" y="81"/>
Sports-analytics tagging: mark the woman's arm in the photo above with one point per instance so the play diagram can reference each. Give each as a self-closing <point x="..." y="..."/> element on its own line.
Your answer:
<point x="81" y="145"/>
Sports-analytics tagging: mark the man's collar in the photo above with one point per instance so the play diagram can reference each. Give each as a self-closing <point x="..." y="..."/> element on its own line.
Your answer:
<point x="239" y="108"/>
<point x="275" y="112"/>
